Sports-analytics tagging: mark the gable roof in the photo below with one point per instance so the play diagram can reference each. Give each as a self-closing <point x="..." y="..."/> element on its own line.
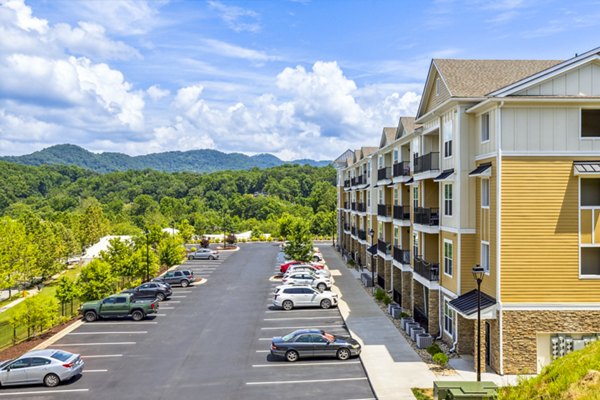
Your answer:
<point x="406" y="126"/>
<point x="367" y="151"/>
<point x="342" y="160"/>
<point x="387" y="136"/>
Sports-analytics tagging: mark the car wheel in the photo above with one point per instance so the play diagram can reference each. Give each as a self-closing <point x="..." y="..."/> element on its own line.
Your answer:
<point x="185" y="283"/>
<point x="190" y="258"/>
<point x="211" y="257"/>
<point x="292" y="355"/>
<point x="343" y="354"/>
<point x="137" y="315"/>
<point x="287" y="305"/>
<point x="160" y="296"/>
<point x="321" y="286"/>
<point x="90" y="316"/>
<point x="326" y="303"/>
<point x="51" y="380"/>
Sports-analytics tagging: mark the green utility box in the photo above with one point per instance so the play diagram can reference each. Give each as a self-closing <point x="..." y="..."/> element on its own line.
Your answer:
<point x="448" y="390"/>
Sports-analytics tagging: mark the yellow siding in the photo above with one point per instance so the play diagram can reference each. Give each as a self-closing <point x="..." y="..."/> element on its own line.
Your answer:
<point x="586" y="226"/>
<point x="597" y="226"/>
<point x="449" y="282"/>
<point x="432" y="194"/>
<point x="431" y="248"/>
<point x="485" y="222"/>
<point x="468" y="258"/>
<point x="540" y="238"/>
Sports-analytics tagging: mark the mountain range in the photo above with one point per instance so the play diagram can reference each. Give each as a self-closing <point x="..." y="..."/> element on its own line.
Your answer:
<point x="171" y="161"/>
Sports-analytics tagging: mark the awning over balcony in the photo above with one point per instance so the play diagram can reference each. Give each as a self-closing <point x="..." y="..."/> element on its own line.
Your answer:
<point x="466" y="305"/>
<point x="411" y="181"/>
<point x="586" y="167"/>
<point x="446" y="175"/>
<point x="483" y="170"/>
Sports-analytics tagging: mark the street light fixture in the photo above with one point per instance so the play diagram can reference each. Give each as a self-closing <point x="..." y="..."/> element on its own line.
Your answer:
<point x="147" y="233"/>
<point x="478" y="275"/>
<point x="372" y="234"/>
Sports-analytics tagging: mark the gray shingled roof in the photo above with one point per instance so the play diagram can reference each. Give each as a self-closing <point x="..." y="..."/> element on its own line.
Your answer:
<point x="367" y="151"/>
<point x="477" y="78"/>
<point x="390" y="136"/>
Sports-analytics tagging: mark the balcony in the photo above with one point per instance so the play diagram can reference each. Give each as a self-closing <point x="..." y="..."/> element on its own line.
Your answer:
<point x="401" y="169"/>
<point x="429" y="271"/>
<point x="402" y="256"/>
<point x="346" y="227"/>
<point x="347" y="183"/>
<point x="353" y="206"/>
<point x="383" y="247"/>
<point x="420" y="318"/>
<point x="358" y="180"/>
<point x="384" y="210"/>
<point x="384" y="173"/>
<point x="427" y="216"/>
<point x="353" y="231"/>
<point x="428" y="162"/>
<point x="402" y="212"/>
<point x="361" y="207"/>
<point x="362" y="234"/>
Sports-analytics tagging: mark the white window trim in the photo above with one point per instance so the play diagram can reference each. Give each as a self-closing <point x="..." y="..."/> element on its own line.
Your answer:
<point x="451" y="243"/>
<point x="451" y="200"/>
<point x="437" y="86"/>
<point x="483" y="242"/>
<point x="481" y="126"/>
<point x="453" y="318"/>
<point x="488" y="193"/>
<point x="581" y="121"/>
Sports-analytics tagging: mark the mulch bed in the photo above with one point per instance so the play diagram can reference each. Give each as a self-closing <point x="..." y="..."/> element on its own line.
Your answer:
<point x="23" y="347"/>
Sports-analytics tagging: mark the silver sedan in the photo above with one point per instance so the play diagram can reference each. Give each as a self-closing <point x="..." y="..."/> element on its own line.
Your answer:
<point x="49" y="366"/>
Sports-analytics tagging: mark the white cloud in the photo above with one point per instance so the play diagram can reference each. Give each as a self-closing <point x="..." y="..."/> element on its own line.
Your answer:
<point x="24" y="18"/>
<point x="237" y="18"/>
<point x="156" y="93"/>
<point x="233" y="51"/>
<point x="126" y="17"/>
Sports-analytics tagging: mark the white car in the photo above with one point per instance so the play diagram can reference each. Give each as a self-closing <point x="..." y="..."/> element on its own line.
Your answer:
<point x="307" y="268"/>
<point x="290" y="296"/>
<point x="307" y="278"/>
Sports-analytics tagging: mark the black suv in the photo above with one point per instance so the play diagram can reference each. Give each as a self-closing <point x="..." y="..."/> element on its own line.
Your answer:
<point x="177" y="277"/>
<point x="150" y="290"/>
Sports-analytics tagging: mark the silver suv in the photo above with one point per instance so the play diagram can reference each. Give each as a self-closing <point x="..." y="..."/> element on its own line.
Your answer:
<point x="288" y="297"/>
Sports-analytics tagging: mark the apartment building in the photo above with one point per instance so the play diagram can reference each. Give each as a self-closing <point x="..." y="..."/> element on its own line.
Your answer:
<point x="499" y="168"/>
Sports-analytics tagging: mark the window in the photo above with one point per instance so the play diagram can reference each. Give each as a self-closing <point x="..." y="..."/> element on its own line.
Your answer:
<point x="415" y="245"/>
<point x="318" y="339"/>
<point x="448" y="148"/>
<point x="485" y="256"/>
<point x="485" y="127"/>
<point x="437" y="87"/>
<point x="415" y="198"/>
<point x="368" y="201"/>
<point x="380" y="162"/>
<point x="590" y="123"/>
<point x="448" y="199"/>
<point x="61" y="355"/>
<point x="39" y="361"/>
<point x="448" y="257"/>
<point x="447" y="138"/>
<point x="121" y="300"/>
<point x="381" y="196"/>
<point x="590" y="192"/>
<point x="369" y="169"/>
<point x="22" y="363"/>
<point x="395" y="156"/>
<point x="396" y="236"/>
<point x="485" y="193"/>
<point x="448" y="319"/>
<point x="396" y="194"/>
<point x="380" y="230"/>
<point x="303" y="339"/>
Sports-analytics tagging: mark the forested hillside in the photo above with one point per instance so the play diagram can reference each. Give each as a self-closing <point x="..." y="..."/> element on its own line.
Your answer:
<point x="173" y="161"/>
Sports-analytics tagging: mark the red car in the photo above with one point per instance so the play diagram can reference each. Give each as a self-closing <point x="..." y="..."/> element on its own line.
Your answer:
<point x="284" y="267"/>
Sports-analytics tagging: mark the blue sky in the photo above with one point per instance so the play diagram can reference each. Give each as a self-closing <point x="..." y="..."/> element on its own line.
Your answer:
<point x="296" y="78"/>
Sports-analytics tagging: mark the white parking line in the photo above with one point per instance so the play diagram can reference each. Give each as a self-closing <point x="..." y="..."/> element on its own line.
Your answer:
<point x="109" y="333"/>
<point x="96" y="324"/>
<point x="95" y="370"/>
<point x="167" y="308"/>
<point x="103" y="356"/>
<point x="296" y="310"/>
<point x="263" y="351"/>
<point x="38" y="392"/>
<point x="301" y="327"/>
<point x="95" y="344"/>
<point x="160" y="315"/>
<point x="295" y="318"/>
<point x="185" y="291"/>
<point x="179" y="297"/>
<point x="306" y="364"/>
<point x="265" y="338"/>
<point x="308" y="381"/>
<point x="174" y="301"/>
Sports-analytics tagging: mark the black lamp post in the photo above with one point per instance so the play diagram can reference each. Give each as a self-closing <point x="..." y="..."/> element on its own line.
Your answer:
<point x="147" y="233"/>
<point x="478" y="274"/>
<point x="372" y="234"/>
<point x="341" y="237"/>
<point x="173" y="228"/>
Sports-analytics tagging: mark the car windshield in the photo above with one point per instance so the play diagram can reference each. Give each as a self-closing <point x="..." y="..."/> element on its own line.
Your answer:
<point x="4" y="363"/>
<point x="61" y="355"/>
<point x="329" y="336"/>
<point x="288" y="337"/>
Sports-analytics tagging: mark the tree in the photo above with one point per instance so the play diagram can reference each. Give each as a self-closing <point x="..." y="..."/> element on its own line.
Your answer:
<point x="171" y="251"/>
<point x="285" y="224"/>
<point x="92" y="224"/>
<point x="300" y="244"/>
<point x="186" y="230"/>
<point x="66" y="292"/>
<point x="118" y="255"/>
<point x="96" y="280"/>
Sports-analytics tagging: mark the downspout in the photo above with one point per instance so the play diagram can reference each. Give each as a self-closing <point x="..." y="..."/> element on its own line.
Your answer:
<point x="440" y="304"/>
<point x="453" y="348"/>
<point x="498" y="235"/>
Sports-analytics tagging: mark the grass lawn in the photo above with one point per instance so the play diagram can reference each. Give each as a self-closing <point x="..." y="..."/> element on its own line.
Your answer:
<point x="6" y="332"/>
<point x="423" y="394"/>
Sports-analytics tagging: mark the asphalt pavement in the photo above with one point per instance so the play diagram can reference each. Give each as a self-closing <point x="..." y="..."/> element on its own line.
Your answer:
<point x="208" y="341"/>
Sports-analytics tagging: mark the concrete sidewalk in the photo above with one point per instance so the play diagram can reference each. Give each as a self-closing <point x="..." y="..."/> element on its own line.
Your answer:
<point x="392" y="365"/>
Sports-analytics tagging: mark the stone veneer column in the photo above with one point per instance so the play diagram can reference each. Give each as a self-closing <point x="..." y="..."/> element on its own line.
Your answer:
<point x="407" y="294"/>
<point x="466" y="335"/>
<point x="388" y="275"/>
<point x="434" y="313"/>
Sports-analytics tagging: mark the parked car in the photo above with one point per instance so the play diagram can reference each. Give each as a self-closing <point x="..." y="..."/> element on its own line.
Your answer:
<point x="49" y="367"/>
<point x="307" y="278"/>
<point x="204" y="254"/>
<point x="284" y="267"/>
<point x="177" y="277"/>
<point x="318" y="257"/>
<point x="314" y="343"/>
<point x="150" y="290"/>
<point x="291" y="296"/>
<point x="308" y="268"/>
<point x="118" y="305"/>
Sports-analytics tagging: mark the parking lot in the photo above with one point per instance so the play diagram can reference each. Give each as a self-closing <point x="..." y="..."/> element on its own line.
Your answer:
<point x="209" y="341"/>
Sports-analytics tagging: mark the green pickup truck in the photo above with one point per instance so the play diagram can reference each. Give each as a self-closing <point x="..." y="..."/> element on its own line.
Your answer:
<point x="118" y="305"/>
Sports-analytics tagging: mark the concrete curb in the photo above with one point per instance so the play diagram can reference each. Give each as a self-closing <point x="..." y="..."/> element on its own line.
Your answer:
<point x="59" y="335"/>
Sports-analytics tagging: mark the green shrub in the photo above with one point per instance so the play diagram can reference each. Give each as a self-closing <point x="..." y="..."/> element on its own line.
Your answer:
<point x="270" y="239"/>
<point x="434" y="349"/>
<point x="440" y="359"/>
<point x="193" y="249"/>
<point x="379" y="294"/>
<point x="404" y="315"/>
<point x="351" y="263"/>
<point x="387" y="300"/>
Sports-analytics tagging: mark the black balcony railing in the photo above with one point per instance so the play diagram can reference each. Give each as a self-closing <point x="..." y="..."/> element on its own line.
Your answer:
<point x="384" y="247"/>
<point x="384" y="210"/>
<point x="346" y="227"/>
<point x="402" y="212"/>
<point x="421" y="318"/>
<point x="357" y="180"/>
<point x="397" y="295"/>
<point x="427" y="216"/>
<point x="384" y="173"/>
<point x="347" y="183"/>
<point x="380" y="281"/>
<point x="401" y="169"/>
<point x="362" y="235"/>
<point x="429" y="271"/>
<point x="353" y="230"/>
<point x="361" y="207"/>
<point x="354" y="206"/>
<point x="402" y="256"/>
<point x="428" y="162"/>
